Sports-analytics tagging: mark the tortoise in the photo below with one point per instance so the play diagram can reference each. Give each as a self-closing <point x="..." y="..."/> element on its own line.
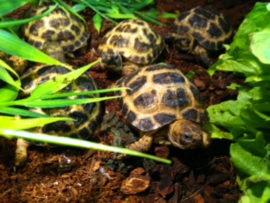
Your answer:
<point x="60" y="26"/>
<point x="132" y="43"/>
<point x="164" y="106"/>
<point x="86" y="116"/>
<point x="201" y="31"/>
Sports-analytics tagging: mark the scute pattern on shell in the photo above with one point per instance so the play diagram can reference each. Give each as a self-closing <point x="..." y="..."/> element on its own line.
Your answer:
<point x="86" y="116"/>
<point x="161" y="94"/>
<point x="135" y="40"/>
<point x="208" y="26"/>
<point x="59" y="26"/>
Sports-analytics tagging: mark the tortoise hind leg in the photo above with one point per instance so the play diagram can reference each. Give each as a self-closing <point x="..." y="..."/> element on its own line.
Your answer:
<point x="205" y="58"/>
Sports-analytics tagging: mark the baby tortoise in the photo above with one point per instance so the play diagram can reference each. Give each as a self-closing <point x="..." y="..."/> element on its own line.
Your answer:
<point x="60" y="26"/>
<point x="129" y="45"/>
<point x="165" y="107"/>
<point x="201" y="31"/>
<point x="86" y="116"/>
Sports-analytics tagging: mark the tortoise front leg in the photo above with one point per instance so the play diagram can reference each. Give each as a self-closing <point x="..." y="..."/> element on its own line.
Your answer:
<point x="143" y="144"/>
<point x="21" y="151"/>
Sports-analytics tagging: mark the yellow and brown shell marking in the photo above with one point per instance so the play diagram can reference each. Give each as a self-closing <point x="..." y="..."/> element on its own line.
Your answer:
<point x="59" y="26"/>
<point x="208" y="26"/>
<point x="135" y="40"/>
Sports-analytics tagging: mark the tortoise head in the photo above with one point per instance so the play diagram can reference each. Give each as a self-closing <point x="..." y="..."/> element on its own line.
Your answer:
<point x="54" y="50"/>
<point x="183" y="41"/>
<point x="112" y="61"/>
<point x="186" y="134"/>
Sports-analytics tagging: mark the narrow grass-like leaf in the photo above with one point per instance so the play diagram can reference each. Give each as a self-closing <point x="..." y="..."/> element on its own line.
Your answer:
<point x="20" y="112"/>
<point x="88" y="3"/>
<point x="9" y="92"/>
<point x="169" y="15"/>
<point x="17" y="123"/>
<point x="97" y="22"/>
<point x="121" y="16"/>
<point x="14" y="46"/>
<point x="5" y="76"/>
<point x="141" y="4"/>
<point x="65" y="6"/>
<point x="13" y="23"/>
<point x="56" y="103"/>
<point x="104" y="9"/>
<point x="76" y="143"/>
<point x="11" y="5"/>
<point x="148" y="18"/>
<point x="61" y="95"/>
<point x="60" y="82"/>
<point x="79" y="7"/>
<point x="6" y="66"/>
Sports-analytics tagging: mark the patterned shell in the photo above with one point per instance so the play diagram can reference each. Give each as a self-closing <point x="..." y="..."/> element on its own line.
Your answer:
<point x="161" y="94"/>
<point x="59" y="26"/>
<point x="135" y="40"/>
<point x="86" y="116"/>
<point x="208" y="26"/>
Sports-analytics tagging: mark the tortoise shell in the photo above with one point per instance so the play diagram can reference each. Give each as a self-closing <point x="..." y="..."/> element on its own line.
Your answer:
<point x="86" y="116"/>
<point x="160" y="95"/>
<point x="208" y="26"/>
<point x="59" y="26"/>
<point x="135" y="40"/>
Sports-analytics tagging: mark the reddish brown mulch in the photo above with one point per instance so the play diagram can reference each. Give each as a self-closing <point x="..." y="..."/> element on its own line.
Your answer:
<point x="195" y="176"/>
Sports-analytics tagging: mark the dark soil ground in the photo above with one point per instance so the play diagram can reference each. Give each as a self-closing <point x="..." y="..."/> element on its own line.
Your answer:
<point x="195" y="176"/>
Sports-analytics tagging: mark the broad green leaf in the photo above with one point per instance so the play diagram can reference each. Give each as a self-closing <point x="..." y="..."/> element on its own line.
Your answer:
<point x="14" y="46"/>
<point x="65" y="141"/>
<point x="9" y="92"/>
<point x="217" y="133"/>
<point x="234" y="65"/>
<point x="19" y="112"/>
<point x="60" y="82"/>
<point x="260" y="45"/>
<point x="256" y="189"/>
<point x="97" y="22"/>
<point x="255" y="146"/>
<point x="246" y="162"/>
<point x="17" y="123"/>
<point x="226" y="114"/>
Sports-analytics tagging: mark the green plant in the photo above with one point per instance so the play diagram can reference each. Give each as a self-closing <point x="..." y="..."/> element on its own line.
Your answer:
<point x="246" y="121"/>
